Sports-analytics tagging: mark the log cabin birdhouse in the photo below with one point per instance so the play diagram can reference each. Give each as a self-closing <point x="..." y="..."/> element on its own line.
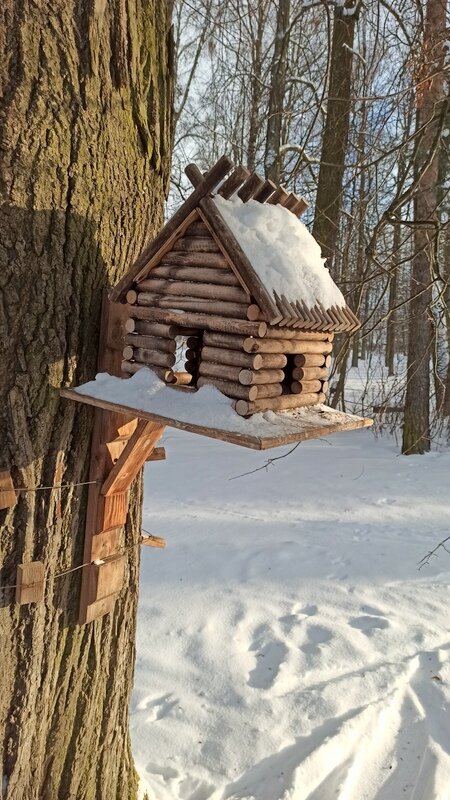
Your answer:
<point x="231" y="305"/>
<point x="234" y="292"/>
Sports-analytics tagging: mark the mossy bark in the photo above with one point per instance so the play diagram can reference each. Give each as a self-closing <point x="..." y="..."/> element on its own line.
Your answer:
<point x="85" y="142"/>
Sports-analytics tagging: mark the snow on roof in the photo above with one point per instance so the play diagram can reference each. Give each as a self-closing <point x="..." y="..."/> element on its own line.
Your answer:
<point x="281" y="250"/>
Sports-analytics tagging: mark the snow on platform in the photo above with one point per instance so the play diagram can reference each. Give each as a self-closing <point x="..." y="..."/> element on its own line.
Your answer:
<point x="209" y="413"/>
<point x="288" y="647"/>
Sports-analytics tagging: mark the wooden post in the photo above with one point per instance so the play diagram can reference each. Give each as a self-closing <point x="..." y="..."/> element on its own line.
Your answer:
<point x="120" y="446"/>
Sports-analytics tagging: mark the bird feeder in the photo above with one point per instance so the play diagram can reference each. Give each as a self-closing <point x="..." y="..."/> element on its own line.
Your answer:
<point x="231" y="304"/>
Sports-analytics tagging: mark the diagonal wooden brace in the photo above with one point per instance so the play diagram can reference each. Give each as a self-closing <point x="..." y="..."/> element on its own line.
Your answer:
<point x="133" y="457"/>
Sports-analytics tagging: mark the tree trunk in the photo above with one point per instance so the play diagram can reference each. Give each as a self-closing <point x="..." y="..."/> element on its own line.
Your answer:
<point x="392" y="318"/>
<point x="85" y="139"/>
<point x="416" y="428"/>
<point x="335" y="136"/>
<point x="272" y="159"/>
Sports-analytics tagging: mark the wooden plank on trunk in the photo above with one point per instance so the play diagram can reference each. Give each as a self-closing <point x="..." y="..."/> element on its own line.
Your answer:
<point x="30" y="583"/>
<point x="106" y="578"/>
<point x="106" y="543"/>
<point x="169" y="233"/>
<point x="8" y="496"/>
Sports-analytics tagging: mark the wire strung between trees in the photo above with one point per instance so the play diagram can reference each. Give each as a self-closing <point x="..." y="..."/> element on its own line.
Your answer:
<point x="141" y="540"/>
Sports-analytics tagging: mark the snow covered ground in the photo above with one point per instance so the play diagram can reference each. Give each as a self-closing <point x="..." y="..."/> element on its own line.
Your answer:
<point x="288" y="646"/>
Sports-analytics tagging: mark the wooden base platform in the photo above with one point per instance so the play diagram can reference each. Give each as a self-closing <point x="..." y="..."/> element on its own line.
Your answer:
<point x="273" y="430"/>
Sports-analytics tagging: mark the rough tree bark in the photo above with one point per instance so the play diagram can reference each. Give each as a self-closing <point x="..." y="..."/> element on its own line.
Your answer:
<point x="335" y="135"/>
<point x="430" y="96"/>
<point x="85" y="142"/>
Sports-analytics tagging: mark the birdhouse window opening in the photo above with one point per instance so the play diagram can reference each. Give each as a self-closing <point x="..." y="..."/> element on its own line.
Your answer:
<point x="188" y="355"/>
<point x="288" y="370"/>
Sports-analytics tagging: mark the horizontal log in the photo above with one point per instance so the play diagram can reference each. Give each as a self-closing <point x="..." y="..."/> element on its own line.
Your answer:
<point x="217" y="308"/>
<point x="155" y="329"/>
<point x="233" y="294"/>
<point x="298" y="387"/>
<point x="286" y="401"/>
<point x="234" y="390"/>
<point x="221" y="371"/>
<point x="197" y="228"/>
<point x="131" y="296"/>
<point x="209" y="260"/>
<point x="218" y="277"/>
<point x="269" y="390"/>
<point x="151" y="342"/>
<point x="204" y="321"/>
<point x="227" y="340"/>
<point x="309" y="373"/>
<point x="127" y="353"/>
<point x="312" y="360"/>
<point x="273" y="360"/>
<point x="233" y="358"/>
<point x="195" y="244"/>
<point x="131" y="367"/>
<point x="325" y="387"/>
<point x="153" y="357"/>
<point x="286" y="346"/>
<point x="250" y="377"/>
<point x="289" y="333"/>
<point x="182" y="378"/>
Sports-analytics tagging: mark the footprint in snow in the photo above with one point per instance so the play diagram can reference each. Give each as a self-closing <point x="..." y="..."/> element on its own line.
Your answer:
<point x="159" y="707"/>
<point x="317" y="635"/>
<point x="297" y="617"/>
<point x="269" y="660"/>
<point x="369" y="625"/>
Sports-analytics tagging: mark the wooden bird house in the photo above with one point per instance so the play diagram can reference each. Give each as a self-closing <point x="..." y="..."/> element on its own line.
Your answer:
<point x="232" y="307"/>
<point x="233" y="292"/>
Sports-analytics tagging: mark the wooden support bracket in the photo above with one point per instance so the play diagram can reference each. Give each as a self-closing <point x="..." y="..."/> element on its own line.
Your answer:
<point x="120" y="446"/>
<point x="30" y="583"/>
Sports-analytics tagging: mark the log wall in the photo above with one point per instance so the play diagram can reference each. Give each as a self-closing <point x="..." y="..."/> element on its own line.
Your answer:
<point x="195" y="301"/>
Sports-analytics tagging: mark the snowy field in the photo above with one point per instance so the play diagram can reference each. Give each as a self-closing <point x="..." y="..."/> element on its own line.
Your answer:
<point x="288" y="646"/>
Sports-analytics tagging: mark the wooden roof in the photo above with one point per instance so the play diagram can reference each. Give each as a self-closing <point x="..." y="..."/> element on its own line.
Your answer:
<point x="225" y="179"/>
